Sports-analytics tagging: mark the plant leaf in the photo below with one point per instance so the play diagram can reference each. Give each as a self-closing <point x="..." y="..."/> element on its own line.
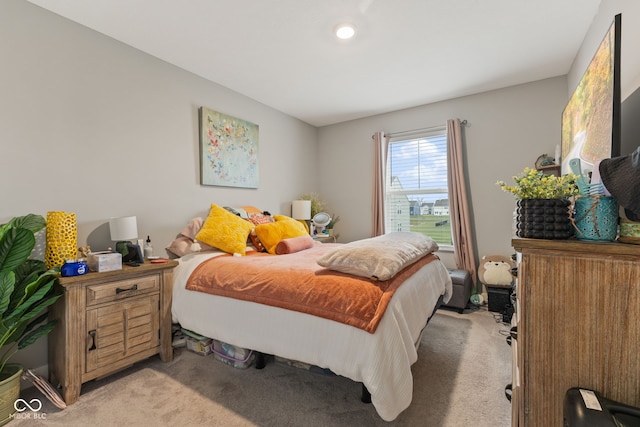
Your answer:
<point x="33" y="336"/>
<point x="7" y="282"/>
<point x="19" y="331"/>
<point x="15" y="247"/>
<point x="31" y="222"/>
<point x="35" y="322"/>
<point x="20" y="296"/>
<point x="24" y="330"/>
<point x="25" y="310"/>
<point x="4" y="228"/>
<point x="17" y="326"/>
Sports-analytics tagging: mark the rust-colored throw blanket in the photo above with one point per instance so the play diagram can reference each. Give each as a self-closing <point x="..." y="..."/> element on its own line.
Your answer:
<point x="296" y="282"/>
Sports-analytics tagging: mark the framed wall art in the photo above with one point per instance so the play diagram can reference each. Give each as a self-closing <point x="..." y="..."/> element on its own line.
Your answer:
<point x="228" y="150"/>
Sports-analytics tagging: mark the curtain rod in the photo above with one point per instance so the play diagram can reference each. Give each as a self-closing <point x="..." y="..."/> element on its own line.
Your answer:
<point x="394" y="134"/>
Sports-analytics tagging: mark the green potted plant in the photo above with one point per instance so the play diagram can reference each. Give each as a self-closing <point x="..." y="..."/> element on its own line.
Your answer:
<point x="535" y="184"/>
<point x="543" y="204"/>
<point x="334" y="220"/>
<point x="26" y="290"/>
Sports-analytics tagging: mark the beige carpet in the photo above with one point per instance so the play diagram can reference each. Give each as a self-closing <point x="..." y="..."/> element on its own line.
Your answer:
<point x="459" y="379"/>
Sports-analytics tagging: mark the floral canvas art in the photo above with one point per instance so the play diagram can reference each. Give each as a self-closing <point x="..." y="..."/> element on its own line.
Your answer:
<point x="228" y="150"/>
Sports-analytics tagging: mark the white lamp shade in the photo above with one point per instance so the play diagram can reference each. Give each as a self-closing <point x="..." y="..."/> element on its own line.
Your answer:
<point x="125" y="228"/>
<point x="301" y="209"/>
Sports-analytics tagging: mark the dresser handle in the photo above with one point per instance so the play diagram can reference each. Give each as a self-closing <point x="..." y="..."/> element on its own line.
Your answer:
<point x="92" y="334"/>
<point x="133" y="288"/>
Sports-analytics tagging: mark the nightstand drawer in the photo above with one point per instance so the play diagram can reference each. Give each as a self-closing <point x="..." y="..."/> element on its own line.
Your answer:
<point x="113" y="291"/>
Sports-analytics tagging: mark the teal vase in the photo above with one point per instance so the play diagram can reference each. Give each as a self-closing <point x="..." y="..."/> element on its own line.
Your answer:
<point x="596" y="218"/>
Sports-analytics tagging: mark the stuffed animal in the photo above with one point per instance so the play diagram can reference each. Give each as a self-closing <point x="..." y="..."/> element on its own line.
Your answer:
<point x="495" y="270"/>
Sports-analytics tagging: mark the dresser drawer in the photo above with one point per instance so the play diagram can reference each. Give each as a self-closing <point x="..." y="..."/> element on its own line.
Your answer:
<point x="115" y="291"/>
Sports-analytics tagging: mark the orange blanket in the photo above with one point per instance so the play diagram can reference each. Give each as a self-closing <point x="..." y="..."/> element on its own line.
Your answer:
<point x="296" y="282"/>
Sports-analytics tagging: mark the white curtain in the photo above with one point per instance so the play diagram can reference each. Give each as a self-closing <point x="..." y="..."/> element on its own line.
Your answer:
<point x="465" y="256"/>
<point x="379" y="181"/>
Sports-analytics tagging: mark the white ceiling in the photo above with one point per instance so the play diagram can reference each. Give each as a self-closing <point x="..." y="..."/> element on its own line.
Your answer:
<point x="406" y="52"/>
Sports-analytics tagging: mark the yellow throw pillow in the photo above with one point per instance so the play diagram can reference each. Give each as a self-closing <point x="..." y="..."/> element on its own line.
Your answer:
<point x="225" y="231"/>
<point x="284" y="228"/>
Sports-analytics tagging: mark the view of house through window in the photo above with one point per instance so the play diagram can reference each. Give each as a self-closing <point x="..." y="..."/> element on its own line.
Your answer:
<point x="417" y="191"/>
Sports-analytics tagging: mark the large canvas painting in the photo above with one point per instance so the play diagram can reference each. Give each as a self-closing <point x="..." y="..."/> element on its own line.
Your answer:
<point x="228" y="150"/>
<point x="591" y="119"/>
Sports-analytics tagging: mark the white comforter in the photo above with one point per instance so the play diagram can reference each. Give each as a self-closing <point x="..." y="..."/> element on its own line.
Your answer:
<point x="381" y="361"/>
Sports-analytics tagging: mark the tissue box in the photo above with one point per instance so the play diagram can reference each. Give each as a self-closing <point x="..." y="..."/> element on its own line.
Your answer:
<point x="104" y="261"/>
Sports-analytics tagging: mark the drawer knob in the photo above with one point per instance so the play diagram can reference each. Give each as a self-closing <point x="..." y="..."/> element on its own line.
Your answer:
<point x="133" y="288"/>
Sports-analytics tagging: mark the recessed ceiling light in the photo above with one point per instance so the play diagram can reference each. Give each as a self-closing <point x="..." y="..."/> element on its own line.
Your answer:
<point x="345" y="31"/>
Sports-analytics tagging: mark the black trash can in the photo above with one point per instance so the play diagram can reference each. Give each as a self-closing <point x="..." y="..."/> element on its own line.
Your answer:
<point x="588" y="408"/>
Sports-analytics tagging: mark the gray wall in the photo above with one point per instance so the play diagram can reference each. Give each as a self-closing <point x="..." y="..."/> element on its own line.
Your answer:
<point x="92" y="126"/>
<point x="630" y="123"/>
<point x="507" y="130"/>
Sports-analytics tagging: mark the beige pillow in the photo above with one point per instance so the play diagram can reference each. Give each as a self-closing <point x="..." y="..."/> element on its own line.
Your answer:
<point x="192" y="228"/>
<point x="181" y="245"/>
<point x="225" y="231"/>
<point x="379" y="258"/>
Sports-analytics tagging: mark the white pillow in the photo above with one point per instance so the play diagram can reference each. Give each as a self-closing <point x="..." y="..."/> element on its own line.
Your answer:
<point x="381" y="257"/>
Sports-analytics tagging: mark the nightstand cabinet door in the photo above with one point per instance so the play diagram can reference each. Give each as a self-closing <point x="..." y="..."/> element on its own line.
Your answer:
<point x="118" y="331"/>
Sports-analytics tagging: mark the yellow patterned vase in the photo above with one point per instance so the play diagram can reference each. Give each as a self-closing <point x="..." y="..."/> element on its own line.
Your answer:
<point x="62" y="238"/>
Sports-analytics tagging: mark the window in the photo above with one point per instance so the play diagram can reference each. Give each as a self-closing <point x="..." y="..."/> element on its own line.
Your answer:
<point x="417" y="189"/>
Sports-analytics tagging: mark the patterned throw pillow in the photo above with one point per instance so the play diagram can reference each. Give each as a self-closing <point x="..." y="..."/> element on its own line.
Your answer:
<point x="260" y="218"/>
<point x="257" y="219"/>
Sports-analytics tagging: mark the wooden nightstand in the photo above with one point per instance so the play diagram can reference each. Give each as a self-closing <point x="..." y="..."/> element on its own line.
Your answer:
<point x="107" y="321"/>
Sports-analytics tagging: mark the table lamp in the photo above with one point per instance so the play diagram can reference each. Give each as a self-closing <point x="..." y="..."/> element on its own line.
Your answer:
<point x="301" y="210"/>
<point x="123" y="230"/>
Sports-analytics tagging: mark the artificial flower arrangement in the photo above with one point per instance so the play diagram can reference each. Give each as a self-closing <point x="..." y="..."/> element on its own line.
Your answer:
<point x="534" y="184"/>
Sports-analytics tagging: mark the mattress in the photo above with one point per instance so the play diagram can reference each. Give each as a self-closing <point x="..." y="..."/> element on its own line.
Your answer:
<point x="381" y="361"/>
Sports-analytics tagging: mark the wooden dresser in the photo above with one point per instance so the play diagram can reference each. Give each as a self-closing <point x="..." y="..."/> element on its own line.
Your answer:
<point x="107" y="321"/>
<point x="578" y="325"/>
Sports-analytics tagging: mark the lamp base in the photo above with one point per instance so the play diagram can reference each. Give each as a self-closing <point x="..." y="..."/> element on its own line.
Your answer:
<point x="121" y="247"/>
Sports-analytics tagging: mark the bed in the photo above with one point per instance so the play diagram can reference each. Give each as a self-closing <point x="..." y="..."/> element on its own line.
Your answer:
<point x="378" y="354"/>
<point x="381" y="360"/>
